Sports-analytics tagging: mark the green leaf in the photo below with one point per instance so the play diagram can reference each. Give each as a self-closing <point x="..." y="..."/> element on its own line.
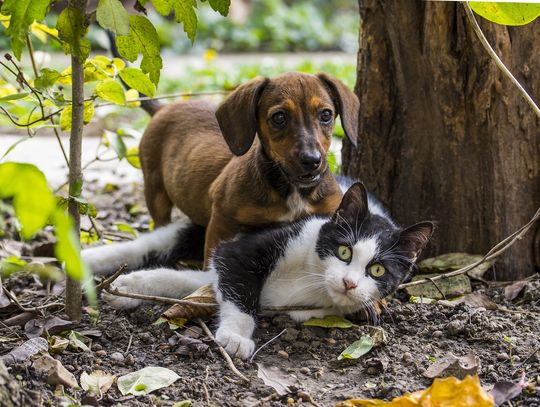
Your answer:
<point x="78" y="341"/>
<point x="47" y="78"/>
<point x="10" y="265"/>
<point x="142" y="38"/>
<point x="33" y="201"/>
<point x="112" y="15"/>
<point x="357" y="348"/>
<point x="184" y="12"/>
<point x="146" y="380"/>
<point x="14" y="96"/>
<point x="122" y="227"/>
<point x="133" y="158"/>
<point x="21" y="140"/>
<point x="330" y="321"/>
<point x="23" y="13"/>
<point x="111" y="91"/>
<point x="72" y="28"/>
<point x="137" y="80"/>
<point x="332" y="162"/>
<point x="221" y="6"/>
<point x="507" y="13"/>
<point x="116" y="141"/>
<point x="65" y="115"/>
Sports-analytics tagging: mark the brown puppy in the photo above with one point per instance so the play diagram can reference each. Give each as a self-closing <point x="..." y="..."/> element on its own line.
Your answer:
<point x="209" y="164"/>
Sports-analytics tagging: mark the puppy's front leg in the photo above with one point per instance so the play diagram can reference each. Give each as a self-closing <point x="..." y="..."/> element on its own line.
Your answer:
<point x="219" y="228"/>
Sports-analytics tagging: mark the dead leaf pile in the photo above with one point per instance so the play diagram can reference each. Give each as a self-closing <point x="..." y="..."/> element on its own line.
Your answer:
<point x="451" y="365"/>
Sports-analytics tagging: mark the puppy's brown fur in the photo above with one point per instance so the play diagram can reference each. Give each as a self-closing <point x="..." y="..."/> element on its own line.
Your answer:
<point x="208" y="163"/>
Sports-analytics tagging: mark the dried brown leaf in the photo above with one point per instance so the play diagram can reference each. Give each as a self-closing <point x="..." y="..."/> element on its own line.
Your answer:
<point x="24" y="352"/>
<point x="451" y="365"/>
<point x="98" y="382"/>
<point x="276" y="378"/>
<point x="513" y="290"/>
<point x="203" y="295"/>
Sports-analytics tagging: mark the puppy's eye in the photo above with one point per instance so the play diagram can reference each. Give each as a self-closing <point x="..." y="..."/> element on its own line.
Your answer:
<point x="325" y="116"/>
<point x="377" y="270"/>
<point x="344" y="253"/>
<point x="279" y="119"/>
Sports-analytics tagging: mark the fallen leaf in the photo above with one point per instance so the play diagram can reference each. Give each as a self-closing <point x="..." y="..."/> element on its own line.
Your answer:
<point x="451" y="286"/>
<point x="54" y="370"/>
<point x="4" y="300"/>
<point x="504" y="391"/>
<point x="146" y="380"/>
<point x="184" y="403"/>
<point x="474" y="300"/>
<point x="50" y="326"/>
<point x="203" y="295"/>
<point x="451" y="365"/>
<point x="78" y="341"/>
<point x="421" y="300"/>
<point x="278" y="379"/>
<point x="24" y="352"/>
<point x="57" y="344"/>
<point x="513" y="290"/>
<point x="378" y="335"/>
<point x="454" y="261"/>
<point x="357" y="348"/>
<point x="330" y="321"/>
<point x="449" y="392"/>
<point x="98" y="382"/>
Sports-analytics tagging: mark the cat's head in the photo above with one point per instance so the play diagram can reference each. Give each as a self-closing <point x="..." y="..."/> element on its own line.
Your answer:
<point x="366" y="256"/>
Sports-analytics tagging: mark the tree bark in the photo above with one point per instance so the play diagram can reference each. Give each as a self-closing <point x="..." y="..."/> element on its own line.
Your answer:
<point x="443" y="135"/>
<point x="73" y="287"/>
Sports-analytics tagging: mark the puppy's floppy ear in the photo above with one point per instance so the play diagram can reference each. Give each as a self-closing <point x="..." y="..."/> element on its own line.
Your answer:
<point x="413" y="239"/>
<point x="353" y="207"/>
<point x="347" y="105"/>
<point x="237" y="115"/>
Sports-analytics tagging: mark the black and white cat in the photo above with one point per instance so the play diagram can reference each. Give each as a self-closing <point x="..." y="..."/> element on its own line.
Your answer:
<point x="337" y="264"/>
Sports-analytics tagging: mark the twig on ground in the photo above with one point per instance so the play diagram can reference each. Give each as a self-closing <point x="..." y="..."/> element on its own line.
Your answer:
<point x="106" y="283"/>
<point x="15" y="301"/>
<point x="155" y="298"/>
<point x="129" y="344"/>
<point x="205" y="388"/>
<point x="526" y="360"/>
<point x="266" y="343"/>
<point x="494" y="252"/>
<point x="228" y="359"/>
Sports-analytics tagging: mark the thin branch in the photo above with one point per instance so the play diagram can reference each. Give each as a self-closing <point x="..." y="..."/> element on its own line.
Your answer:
<point x="31" y="52"/>
<point x="496" y="59"/>
<point x="106" y="283"/>
<point x="155" y="298"/>
<point x="266" y="343"/>
<point x="222" y="351"/>
<point x="494" y="252"/>
<point x="15" y="301"/>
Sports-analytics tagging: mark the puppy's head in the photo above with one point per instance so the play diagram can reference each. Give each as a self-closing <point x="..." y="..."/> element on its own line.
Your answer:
<point x="294" y="115"/>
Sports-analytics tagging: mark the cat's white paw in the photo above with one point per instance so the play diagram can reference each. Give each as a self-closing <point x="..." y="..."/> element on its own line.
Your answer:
<point x="235" y="345"/>
<point x="126" y="284"/>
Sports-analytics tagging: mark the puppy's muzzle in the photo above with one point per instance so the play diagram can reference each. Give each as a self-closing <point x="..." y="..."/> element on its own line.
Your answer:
<point x="310" y="162"/>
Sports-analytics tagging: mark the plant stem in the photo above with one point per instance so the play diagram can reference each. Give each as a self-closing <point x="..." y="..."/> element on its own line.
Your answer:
<point x="485" y="43"/>
<point x="73" y="287"/>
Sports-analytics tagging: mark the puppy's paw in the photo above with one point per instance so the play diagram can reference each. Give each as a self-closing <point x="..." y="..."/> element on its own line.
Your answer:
<point x="125" y="284"/>
<point x="235" y="345"/>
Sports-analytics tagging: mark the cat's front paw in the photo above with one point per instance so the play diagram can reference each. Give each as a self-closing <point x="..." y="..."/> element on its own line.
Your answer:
<point x="235" y="345"/>
<point x="125" y="284"/>
<point x="96" y="258"/>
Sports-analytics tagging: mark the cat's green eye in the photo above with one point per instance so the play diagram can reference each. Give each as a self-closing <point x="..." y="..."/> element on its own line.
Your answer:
<point x="377" y="270"/>
<point x="344" y="253"/>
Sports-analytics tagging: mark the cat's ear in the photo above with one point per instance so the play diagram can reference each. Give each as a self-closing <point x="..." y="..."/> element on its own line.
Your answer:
<point x="353" y="207"/>
<point x="413" y="239"/>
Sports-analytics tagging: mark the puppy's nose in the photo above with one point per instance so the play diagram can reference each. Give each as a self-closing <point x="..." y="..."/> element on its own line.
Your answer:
<point x="349" y="284"/>
<point x="310" y="160"/>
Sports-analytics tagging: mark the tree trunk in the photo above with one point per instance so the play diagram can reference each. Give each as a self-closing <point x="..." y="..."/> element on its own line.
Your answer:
<point x="443" y="135"/>
<point x="73" y="287"/>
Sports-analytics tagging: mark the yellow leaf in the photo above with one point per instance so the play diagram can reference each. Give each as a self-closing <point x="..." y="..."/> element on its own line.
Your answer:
<point x="132" y="156"/>
<point x="132" y="94"/>
<point x="42" y="31"/>
<point x="448" y="392"/>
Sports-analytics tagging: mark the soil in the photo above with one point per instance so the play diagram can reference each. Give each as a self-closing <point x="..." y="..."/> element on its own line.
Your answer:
<point x="418" y="335"/>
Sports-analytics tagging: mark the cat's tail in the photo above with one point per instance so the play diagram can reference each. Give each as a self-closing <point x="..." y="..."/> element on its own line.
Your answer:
<point x="179" y="241"/>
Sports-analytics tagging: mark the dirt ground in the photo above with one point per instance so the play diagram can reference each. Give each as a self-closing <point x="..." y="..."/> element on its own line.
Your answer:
<point x="504" y="340"/>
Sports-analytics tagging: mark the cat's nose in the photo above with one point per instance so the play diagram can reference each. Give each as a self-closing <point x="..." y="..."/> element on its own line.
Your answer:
<point x="349" y="284"/>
